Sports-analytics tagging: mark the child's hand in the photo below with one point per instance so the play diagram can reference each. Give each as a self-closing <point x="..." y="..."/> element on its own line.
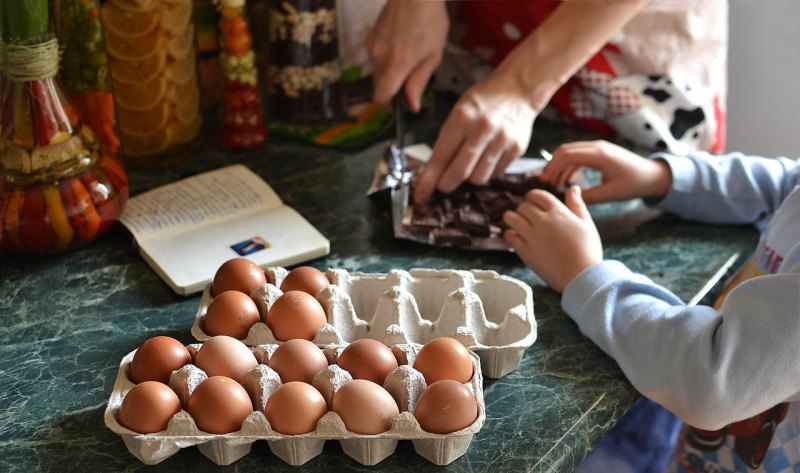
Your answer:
<point x="556" y="241"/>
<point x="625" y="175"/>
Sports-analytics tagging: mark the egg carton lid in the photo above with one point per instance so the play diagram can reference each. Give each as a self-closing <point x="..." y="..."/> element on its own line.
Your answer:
<point x="405" y="384"/>
<point x="491" y="314"/>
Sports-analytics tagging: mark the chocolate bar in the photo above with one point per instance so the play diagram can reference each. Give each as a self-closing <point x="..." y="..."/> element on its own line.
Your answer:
<point x="472" y="214"/>
<point x="449" y="237"/>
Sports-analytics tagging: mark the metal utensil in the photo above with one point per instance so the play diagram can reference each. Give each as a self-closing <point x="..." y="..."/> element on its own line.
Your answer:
<point x="398" y="162"/>
<point x="391" y="172"/>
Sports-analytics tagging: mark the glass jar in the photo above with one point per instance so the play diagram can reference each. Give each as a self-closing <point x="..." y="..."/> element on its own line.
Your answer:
<point x="304" y="81"/>
<point x="156" y="88"/>
<point x="242" y="122"/>
<point x="60" y="187"/>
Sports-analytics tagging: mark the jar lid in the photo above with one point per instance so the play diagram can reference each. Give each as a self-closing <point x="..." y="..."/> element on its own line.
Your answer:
<point x="232" y="3"/>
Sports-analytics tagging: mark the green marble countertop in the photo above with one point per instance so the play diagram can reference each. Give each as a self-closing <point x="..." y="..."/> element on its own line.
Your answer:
<point x="67" y="320"/>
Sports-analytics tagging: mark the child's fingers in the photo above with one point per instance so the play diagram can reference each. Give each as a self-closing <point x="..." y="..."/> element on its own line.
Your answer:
<point x="575" y="203"/>
<point x="606" y="192"/>
<point x="518" y="222"/>
<point x="566" y="159"/>
<point x="541" y="199"/>
<point x="514" y="240"/>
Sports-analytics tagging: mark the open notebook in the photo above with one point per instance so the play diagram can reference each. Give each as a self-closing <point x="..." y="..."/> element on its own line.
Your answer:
<point x="185" y="230"/>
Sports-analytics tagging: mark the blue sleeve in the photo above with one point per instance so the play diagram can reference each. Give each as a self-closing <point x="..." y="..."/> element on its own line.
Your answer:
<point x="709" y="367"/>
<point x="727" y="189"/>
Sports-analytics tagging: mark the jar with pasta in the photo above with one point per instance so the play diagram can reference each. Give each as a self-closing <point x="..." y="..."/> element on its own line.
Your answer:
<point x="61" y="182"/>
<point x="156" y="89"/>
<point x="304" y="78"/>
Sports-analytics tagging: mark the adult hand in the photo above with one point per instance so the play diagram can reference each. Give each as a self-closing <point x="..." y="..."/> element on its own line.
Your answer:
<point x="555" y="240"/>
<point x="405" y="46"/>
<point x="625" y="175"/>
<point x="489" y="127"/>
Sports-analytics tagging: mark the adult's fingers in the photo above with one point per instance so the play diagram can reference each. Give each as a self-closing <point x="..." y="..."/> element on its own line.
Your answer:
<point x="418" y="80"/>
<point x="488" y="161"/>
<point x="513" y="152"/>
<point x="464" y="162"/>
<point x="443" y="151"/>
<point x="386" y="86"/>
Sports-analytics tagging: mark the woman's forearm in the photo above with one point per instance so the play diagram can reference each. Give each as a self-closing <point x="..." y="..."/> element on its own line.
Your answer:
<point x="564" y="42"/>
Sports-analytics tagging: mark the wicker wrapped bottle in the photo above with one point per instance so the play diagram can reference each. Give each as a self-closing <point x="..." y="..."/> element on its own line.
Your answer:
<point x="304" y="78"/>
<point x="60" y="186"/>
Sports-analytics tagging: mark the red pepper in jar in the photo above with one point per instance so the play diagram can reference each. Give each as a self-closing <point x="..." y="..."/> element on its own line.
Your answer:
<point x="45" y="125"/>
<point x="13" y="210"/>
<point x="103" y="197"/>
<point x="35" y="229"/>
<point x="118" y="178"/>
<point x="57" y="215"/>
<point x="84" y="217"/>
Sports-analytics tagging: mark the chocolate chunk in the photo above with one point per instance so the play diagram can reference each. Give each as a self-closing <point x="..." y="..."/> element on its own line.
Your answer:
<point x="515" y="199"/>
<point x="497" y="207"/>
<point x="485" y="194"/>
<point x="516" y="183"/>
<point x="425" y="218"/>
<point x="449" y="236"/>
<point x="474" y="222"/>
<point x="461" y="195"/>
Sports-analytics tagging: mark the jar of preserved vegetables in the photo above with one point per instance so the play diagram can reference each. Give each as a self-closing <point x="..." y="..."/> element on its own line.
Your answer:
<point x="304" y="78"/>
<point x="151" y="44"/>
<point x="61" y="183"/>
<point x="242" y="122"/>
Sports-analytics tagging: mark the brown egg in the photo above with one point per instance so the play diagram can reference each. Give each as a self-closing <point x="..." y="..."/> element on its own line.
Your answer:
<point x="157" y="358"/>
<point x="295" y="408"/>
<point x="148" y="407"/>
<point x="219" y="405"/>
<point x="231" y="313"/>
<point x="444" y="358"/>
<point x="225" y="356"/>
<point x="305" y="278"/>
<point x="365" y="407"/>
<point x="297" y="360"/>
<point x="296" y="314"/>
<point x="367" y="359"/>
<point x="238" y="274"/>
<point x="446" y="406"/>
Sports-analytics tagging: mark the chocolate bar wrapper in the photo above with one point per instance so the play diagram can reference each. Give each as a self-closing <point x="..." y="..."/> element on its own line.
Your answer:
<point x="470" y="217"/>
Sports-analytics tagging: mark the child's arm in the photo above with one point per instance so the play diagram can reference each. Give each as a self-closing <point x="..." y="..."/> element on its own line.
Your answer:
<point x="710" y="368"/>
<point x="731" y="188"/>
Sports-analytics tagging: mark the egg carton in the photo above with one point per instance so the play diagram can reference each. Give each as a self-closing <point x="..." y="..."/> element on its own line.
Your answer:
<point x="405" y="384"/>
<point x="491" y="313"/>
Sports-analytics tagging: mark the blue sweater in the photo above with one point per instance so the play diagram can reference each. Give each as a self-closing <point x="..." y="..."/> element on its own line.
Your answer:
<point x="731" y="372"/>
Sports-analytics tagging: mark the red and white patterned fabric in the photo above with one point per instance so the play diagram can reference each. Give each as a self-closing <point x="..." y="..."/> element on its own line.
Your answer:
<point x="660" y="83"/>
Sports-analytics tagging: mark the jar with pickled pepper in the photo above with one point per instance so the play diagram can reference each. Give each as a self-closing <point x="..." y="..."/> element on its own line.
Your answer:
<point x="242" y="124"/>
<point x="153" y="64"/>
<point x="304" y="79"/>
<point x="59" y="185"/>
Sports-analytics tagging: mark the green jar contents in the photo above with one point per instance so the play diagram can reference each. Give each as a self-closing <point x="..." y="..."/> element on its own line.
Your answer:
<point x="60" y="186"/>
<point x="84" y="68"/>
